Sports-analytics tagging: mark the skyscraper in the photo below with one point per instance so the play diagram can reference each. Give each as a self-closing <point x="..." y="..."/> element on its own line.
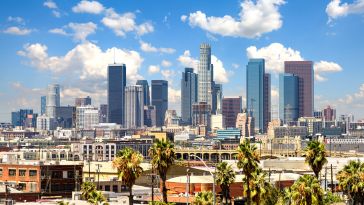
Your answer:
<point x="217" y="98"/>
<point x="231" y="107"/>
<point x="86" y="117"/>
<point x="82" y="101"/>
<point x="134" y="106"/>
<point x="149" y="116"/>
<point x="43" y="105"/>
<point x="304" y="71"/>
<point x="146" y="95"/>
<point x="329" y="114"/>
<point x="205" y="75"/>
<point x="189" y="94"/>
<point x="258" y="93"/>
<point x="201" y="115"/>
<point x="288" y="98"/>
<point x="53" y="100"/>
<point x="103" y="113"/>
<point x="160" y="100"/>
<point x="116" y="78"/>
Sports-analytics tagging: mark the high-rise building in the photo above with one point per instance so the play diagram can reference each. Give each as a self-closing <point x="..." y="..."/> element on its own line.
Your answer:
<point x="201" y="115"/>
<point x="258" y="93"/>
<point x="329" y="114"/>
<point x="205" y="75"/>
<point x="116" y="77"/>
<point x="53" y="100"/>
<point x="43" y="105"/>
<point x="288" y="98"/>
<point x="134" y="106"/>
<point x="231" y="106"/>
<point x="217" y="98"/>
<point x="246" y="124"/>
<point x="160" y="100"/>
<point x="146" y="95"/>
<point x="103" y="113"/>
<point x="86" y="117"/>
<point x="82" y="101"/>
<point x="45" y="123"/>
<point x="65" y="116"/>
<point x="19" y="118"/>
<point x="189" y="94"/>
<point x="304" y="71"/>
<point x="15" y="118"/>
<point x="149" y="116"/>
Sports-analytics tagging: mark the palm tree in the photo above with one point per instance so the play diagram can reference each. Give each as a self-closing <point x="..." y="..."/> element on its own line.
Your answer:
<point x="204" y="198"/>
<point x="163" y="156"/>
<point x="86" y="189"/>
<point x="127" y="163"/>
<point x="96" y="197"/>
<point x="306" y="190"/>
<point x="225" y="176"/>
<point x="315" y="156"/>
<point x="248" y="159"/>
<point x="351" y="181"/>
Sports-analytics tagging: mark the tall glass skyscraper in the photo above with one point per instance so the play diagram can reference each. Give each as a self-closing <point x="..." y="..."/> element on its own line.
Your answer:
<point x="53" y="99"/>
<point x="258" y="93"/>
<point x="146" y="95"/>
<point x="160" y="100"/>
<point x="189" y="94"/>
<point x="288" y="98"/>
<point x="116" y="78"/>
<point x="43" y="105"/>
<point x="205" y="75"/>
<point x="216" y="99"/>
<point x="134" y="104"/>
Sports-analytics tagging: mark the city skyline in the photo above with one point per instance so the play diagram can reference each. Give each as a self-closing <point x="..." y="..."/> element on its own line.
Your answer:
<point x="71" y="45"/>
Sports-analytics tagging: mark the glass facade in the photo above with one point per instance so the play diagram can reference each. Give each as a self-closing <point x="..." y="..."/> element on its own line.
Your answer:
<point x="116" y="78"/>
<point x="146" y="95"/>
<point x="288" y="98"/>
<point x="43" y="105"/>
<point x="189" y="84"/>
<point x="205" y="75"/>
<point x="134" y="115"/>
<point x="160" y="100"/>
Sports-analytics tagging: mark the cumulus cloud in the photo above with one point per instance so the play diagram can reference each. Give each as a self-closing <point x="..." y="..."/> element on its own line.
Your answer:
<point x="174" y="95"/>
<point x="166" y="63"/>
<point x="147" y="47"/>
<point x="336" y="9"/>
<point x="14" y="30"/>
<point x="168" y="74"/>
<point x="152" y="69"/>
<point x="187" y="60"/>
<point x="59" y="31"/>
<point x="322" y="67"/>
<point x="87" y="60"/>
<point x="255" y="19"/>
<point x="124" y="23"/>
<point x="220" y="74"/>
<point x="16" y="19"/>
<point x="92" y="7"/>
<point x="50" y="4"/>
<point x="79" y="31"/>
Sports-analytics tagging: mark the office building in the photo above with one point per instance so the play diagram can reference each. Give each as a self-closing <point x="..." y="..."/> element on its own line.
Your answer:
<point x="304" y="71"/>
<point x="53" y="100"/>
<point x="313" y="125"/>
<point x="258" y="94"/>
<point x="43" y="105"/>
<point x="19" y="118"/>
<point x="329" y="114"/>
<point x="229" y="133"/>
<point x="245" y="123"/>
<point x="79" y="102"/>
<point x="86" y="117"/>
<point x="288" y="98"/>
<point x="189" y="94"/>
<point x="201" y="115"/>
<point x="146" y="95"/>
<point x="134" y="106"/>
<point x="217" y="122"/>
<point x="103" y="113"/>
<point x="231" y="106"/>
<point x="65" y="116"/>
<point x="171" y="119"/>
<point x="205" y="75"/>
<point x="46" y="123"/>
<point x="149" y="116"/>
<point x="116" y="78"/>
<point x="217" y="98"/>
<point x="160" y="100"/>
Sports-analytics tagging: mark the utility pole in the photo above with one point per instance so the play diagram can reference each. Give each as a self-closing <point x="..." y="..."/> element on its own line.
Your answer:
<point x="332" y="181"/>
<point x="188" y="187"/>
<point x="89" y="169"/>
<point x="98" y="175"/>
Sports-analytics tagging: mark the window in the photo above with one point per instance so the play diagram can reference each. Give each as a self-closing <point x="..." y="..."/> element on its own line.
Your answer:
<point x="115" y="188"/>
<point x="12" y="172"/>
<point x="57" y="174"/>
<point x="22" y="173"/>
<point x="62" y="156"/>
<point x="22" y="185"/>
<point x="32" y="173"/>
<point x="107" y="187"/>
<point x="1" y="172"/>
<point x="70" y="174"/>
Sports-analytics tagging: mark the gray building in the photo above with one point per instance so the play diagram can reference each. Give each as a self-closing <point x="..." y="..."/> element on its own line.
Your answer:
<point x="65" y="116"/>
<point x="205" y="75"/>
<point x="217" y="99"/>
<point x="134" y="106"/>
<point x="189" y="94"/>
<point x="149" y="116"/>
<point x="43" y="105"/>
<point x="146" y="95"/>
<point x="53" y="99"/>
<point x="79" y="102"/>
<point x="160" y="100"/>
<point x="103" y="113"/>
<point x="116" y="78"/>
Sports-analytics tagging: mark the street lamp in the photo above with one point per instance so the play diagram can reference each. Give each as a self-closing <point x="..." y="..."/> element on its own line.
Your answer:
<point x="213" y="178"/>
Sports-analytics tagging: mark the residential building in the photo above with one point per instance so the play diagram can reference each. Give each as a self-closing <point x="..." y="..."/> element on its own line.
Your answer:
<point x="81" y="102"/>
<point x="288" y="98"/>
<point x="189" y="94"/>
<point x="146" y="95"/>
<point x="134" y="106"/>
<point x="53" y="100"/>
<point x="116" y="78"/>
<point x="160" y="100"/>
<point x="231" y="106"/>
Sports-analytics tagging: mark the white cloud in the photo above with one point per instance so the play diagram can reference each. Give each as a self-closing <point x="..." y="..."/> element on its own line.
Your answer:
<point x="92" y="7"/>
<point x="80" y="31"/>
<point x="14" y="30"/>
<point x="336" y="9"/>
<point x="187" y="61"/>
<point x="174" y="95"/>
<point x="166" y="63"/>
<point x="235" y="65"/>
<point x="86" y="60"/>
<point x="147" y="47"/>
<point x="56" y="13"/>
<point x="255" y="19"/>
<point x="59" y="31"/>
<point x="220" y="74"/>
<point x="124" y="23"/>
<point x="16" y="19"/>
<point x="322" y="67"/>
<point x="167" y="74"/>
<point x="152" y="69"/>
<point x="50" y="4"/>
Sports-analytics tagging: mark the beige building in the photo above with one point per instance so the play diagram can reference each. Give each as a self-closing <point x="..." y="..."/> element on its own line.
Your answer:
<point x="246" y="124"/>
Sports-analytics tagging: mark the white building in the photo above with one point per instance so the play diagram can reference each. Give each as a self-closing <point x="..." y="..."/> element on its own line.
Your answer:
<point x="53" y="100"/>
<point x="134" y="106"/>
<point x="87" y="117"/>
<point x="45" y="123"/>
<point x="217" y="122"/>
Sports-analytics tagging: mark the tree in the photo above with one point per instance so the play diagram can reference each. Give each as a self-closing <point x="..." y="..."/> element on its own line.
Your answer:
<point x="127" y="163"/>
<point x="86" y="189"/>
<point x="306" y="190"/>
<point x="248" y="159"/>
<point x="163" y="156"/>
<point x="262" y="192"/>
<point x="204" y="198"/>
<point x="225" y="176"/>
<point x="351" y="181"/>
<point x="315" y="156"/>
<point x="96" y="198"/>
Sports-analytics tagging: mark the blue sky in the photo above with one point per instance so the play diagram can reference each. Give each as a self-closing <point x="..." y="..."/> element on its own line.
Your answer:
<point x="71" y="43"/>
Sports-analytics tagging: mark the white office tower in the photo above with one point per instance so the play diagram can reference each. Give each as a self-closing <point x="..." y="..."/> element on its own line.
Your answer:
<point x="205" y="75"/>
<point x="134" y="106"/>
<point x="87" y="117"/>
<point x="53" y="99"/>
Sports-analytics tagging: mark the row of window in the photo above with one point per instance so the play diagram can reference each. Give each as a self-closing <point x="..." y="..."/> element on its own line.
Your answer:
<point x="21" y="172"/>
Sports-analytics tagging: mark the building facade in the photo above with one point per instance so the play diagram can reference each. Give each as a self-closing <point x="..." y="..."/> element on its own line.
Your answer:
<point x="149" y="116"/>
<point x="116" y="78"/>
<point x="201" y="115"/>
<point x="329" y="114"/>
<point x="217" y="99"/>
<point x="205" y="75"/>
<point x="231" y="106"/>
<point x="86" y="117"/>
<point x="146" y="95"/>
<point x="160" y="100"/>
<point x="43" y="105"/>
<point x="288" y="98"/>
<point x="134" y="106"/>
<point x="79" y="102"/>
<point x="245" y="123"/>
<point x="103" y="113"/>
<point x="189" y="94"/>
<point x="66" y="116"/>
<point x="53" y="99"/>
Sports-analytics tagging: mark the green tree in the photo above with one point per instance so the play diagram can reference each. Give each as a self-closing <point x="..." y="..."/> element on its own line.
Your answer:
<point x="204" y="198"/>
<point x="225" y="176"/>
<point x="331" y="198"/>
<point x="248" y="159"/>
<point x="306" y="190"/>
<point x="96" y="198"/>
<point x="262" y="192"/>
<point x="351" y="181"/>
<point x="86" y="189"/>
<point x="315" y="156"/>
<point x="127" y="163"/>
<point x="163" y="156"/>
